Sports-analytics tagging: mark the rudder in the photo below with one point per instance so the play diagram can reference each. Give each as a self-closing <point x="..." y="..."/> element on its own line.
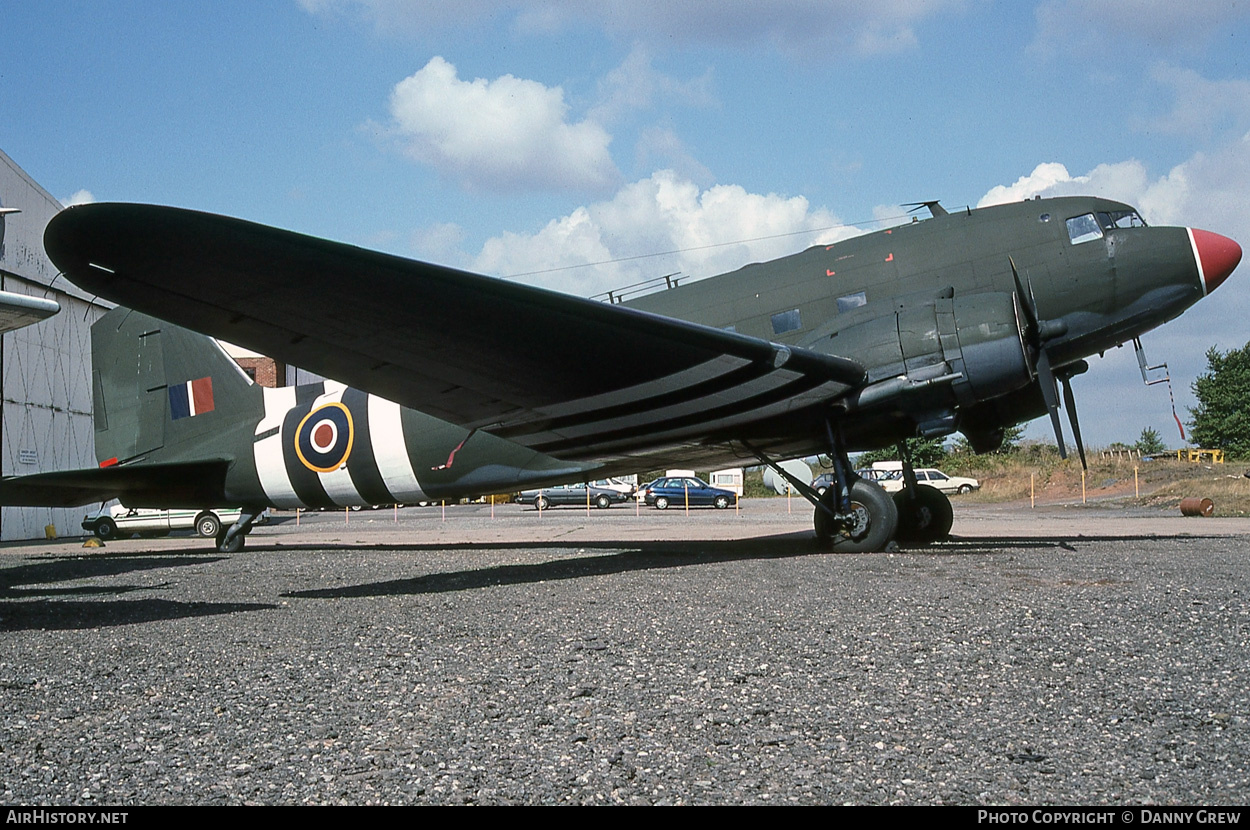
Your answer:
<point x="163" y="392"/>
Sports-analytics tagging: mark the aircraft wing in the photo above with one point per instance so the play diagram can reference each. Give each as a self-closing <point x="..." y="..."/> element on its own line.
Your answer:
<point x="569" y="376"/>
<point x="20" y="310"/>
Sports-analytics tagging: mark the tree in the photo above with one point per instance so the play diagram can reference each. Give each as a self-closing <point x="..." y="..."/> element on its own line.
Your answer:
<point x="1221" y="420"/>
<point x="1150" y="443"/>
<point x="925" y="452"/>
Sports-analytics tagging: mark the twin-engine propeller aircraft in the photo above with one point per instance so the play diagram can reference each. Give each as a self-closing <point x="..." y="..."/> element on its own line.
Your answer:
<point x="453" y="384"/>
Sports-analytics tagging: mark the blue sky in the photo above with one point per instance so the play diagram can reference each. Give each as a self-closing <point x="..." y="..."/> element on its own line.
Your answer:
<point x="512" y="138"/>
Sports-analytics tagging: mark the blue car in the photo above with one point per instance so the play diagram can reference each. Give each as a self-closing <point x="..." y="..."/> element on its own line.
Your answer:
<point x="677" y="489"/>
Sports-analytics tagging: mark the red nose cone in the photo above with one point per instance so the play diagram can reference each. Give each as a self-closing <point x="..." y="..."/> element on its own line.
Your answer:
<point x="1217" y="257"/>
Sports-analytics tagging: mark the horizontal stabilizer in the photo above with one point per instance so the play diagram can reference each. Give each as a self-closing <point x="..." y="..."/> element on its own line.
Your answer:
<point x="190" y="485"/>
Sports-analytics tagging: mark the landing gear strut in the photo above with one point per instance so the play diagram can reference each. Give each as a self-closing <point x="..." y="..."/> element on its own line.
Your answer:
<point x="854" y="515"/>
<point x="925" y="515"/>
<point x="230" y="540"/>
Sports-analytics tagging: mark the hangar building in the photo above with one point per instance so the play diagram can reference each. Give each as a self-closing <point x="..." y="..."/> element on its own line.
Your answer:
<point x="45" y="369"/>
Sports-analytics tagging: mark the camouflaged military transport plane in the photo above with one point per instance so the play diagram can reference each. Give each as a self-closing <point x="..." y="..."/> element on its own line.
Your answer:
<point x="455" y="384"/>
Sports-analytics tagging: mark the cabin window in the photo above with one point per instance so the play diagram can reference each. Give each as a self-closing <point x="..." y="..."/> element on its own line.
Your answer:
<point x="786" y="321"/>
<point x="1083" y="228"/>
<point x="851" y="301"/>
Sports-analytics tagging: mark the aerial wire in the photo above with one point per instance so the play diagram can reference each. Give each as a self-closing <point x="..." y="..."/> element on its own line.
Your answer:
<point x="708" y="246"/>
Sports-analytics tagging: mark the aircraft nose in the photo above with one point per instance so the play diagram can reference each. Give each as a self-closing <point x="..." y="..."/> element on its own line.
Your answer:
<point x="1216" y="255"/>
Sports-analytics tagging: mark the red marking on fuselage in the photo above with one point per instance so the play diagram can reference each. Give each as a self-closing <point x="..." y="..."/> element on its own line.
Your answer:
<point x="452" y="457"/>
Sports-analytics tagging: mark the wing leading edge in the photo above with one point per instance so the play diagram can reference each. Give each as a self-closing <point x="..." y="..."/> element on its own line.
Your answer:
<point x="571" y="377"/>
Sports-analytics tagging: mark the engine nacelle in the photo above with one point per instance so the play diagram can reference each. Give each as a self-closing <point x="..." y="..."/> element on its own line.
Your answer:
<point x="972" y="346"/>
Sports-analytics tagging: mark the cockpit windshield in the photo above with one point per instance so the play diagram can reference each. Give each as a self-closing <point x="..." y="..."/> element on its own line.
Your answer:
<point x="1090" y="226"/>
<point x="1120" y="219"/>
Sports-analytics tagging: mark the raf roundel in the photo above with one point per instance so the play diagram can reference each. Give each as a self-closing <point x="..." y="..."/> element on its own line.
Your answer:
<point x="323" y="440"/>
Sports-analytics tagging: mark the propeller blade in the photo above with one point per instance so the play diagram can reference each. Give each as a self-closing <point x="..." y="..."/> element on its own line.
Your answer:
<point x="1069" y="403"/>
<point x="1026" y="303"/>
<point x="1050" y="394"/>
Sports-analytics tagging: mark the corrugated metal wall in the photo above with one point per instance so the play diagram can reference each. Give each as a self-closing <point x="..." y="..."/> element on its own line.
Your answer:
<point x="45" y="369"/>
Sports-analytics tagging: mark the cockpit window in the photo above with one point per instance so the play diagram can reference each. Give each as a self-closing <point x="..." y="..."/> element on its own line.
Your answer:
<point x="1084" y="228"/>
<point x="1121" y="219"/>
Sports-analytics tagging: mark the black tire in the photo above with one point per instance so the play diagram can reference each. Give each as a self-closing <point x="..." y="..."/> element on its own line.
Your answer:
<point x="875" y="519"/>
<point x="925" y="520"/>
<point x="965" y="489"/>
<point x="233" y="546"/>
<point x="721" y="502"/>
<point x="541" y="503"/>
<point x="661" y="502"/>
<point x="106" y="529"/>
<point x="602" y="501"/>
<point x="207" y="525"/>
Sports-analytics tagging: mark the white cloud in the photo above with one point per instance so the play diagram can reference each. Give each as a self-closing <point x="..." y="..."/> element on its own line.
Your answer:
<point x="1202" y="106"/>
<point x="1119" y="26"/>
<point x="439" y="242"/>
<point x="1208" y="190"/>
<point x="637" y="85"/>
<point x="660" y="148"/>
<point x="818" y="28"/>
<point x="81" y="197"/>
<point x="505" y="134"/>
<point x="662" y="213"/>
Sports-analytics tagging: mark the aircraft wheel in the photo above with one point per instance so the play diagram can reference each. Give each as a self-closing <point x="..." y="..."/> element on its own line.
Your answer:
<point x="106" y="529"/>
<point x="721" y="502"/>
<point x="207" y="525"/>
<point x="541" y="503"/>
<point x="873" y="521"/>
<point x="233" y="546"/>
<point x="926" y="520"/>
<point x="661" y="503"/>
<point x="602" y="501"/>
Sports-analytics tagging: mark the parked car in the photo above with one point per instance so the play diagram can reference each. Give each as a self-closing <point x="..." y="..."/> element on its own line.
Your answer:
<point x="936" y="479"/>
<point x="682" y="490"/>
<point x="615" y="484"/>
<point x="117" y="521"/>
<point x="824" y="481"/>
<point x="574" y="494"/>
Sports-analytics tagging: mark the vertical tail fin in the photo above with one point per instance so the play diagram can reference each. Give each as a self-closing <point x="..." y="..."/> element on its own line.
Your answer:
<point x="164" y="393"/>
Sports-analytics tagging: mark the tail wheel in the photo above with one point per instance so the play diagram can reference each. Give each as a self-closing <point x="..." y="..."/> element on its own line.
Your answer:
<point x="869" y="525"/>
<point x="233" y="546"/>
<point x="925" y="520"/>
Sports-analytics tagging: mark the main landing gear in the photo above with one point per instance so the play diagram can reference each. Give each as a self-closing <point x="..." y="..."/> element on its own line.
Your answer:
<point x="925" y="514"/>
<point x="857" y="516"/>
<point x="230" y="540"/>
<point x="853" y="515"/>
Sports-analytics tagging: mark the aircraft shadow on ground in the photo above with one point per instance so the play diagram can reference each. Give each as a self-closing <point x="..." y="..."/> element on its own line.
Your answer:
<point x="32" y="583"/>
<point x="51" y="615"/>
<point x="626" y="556"/>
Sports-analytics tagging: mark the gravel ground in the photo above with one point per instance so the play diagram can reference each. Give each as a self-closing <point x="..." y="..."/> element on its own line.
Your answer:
<point x="1058" y="657"/>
